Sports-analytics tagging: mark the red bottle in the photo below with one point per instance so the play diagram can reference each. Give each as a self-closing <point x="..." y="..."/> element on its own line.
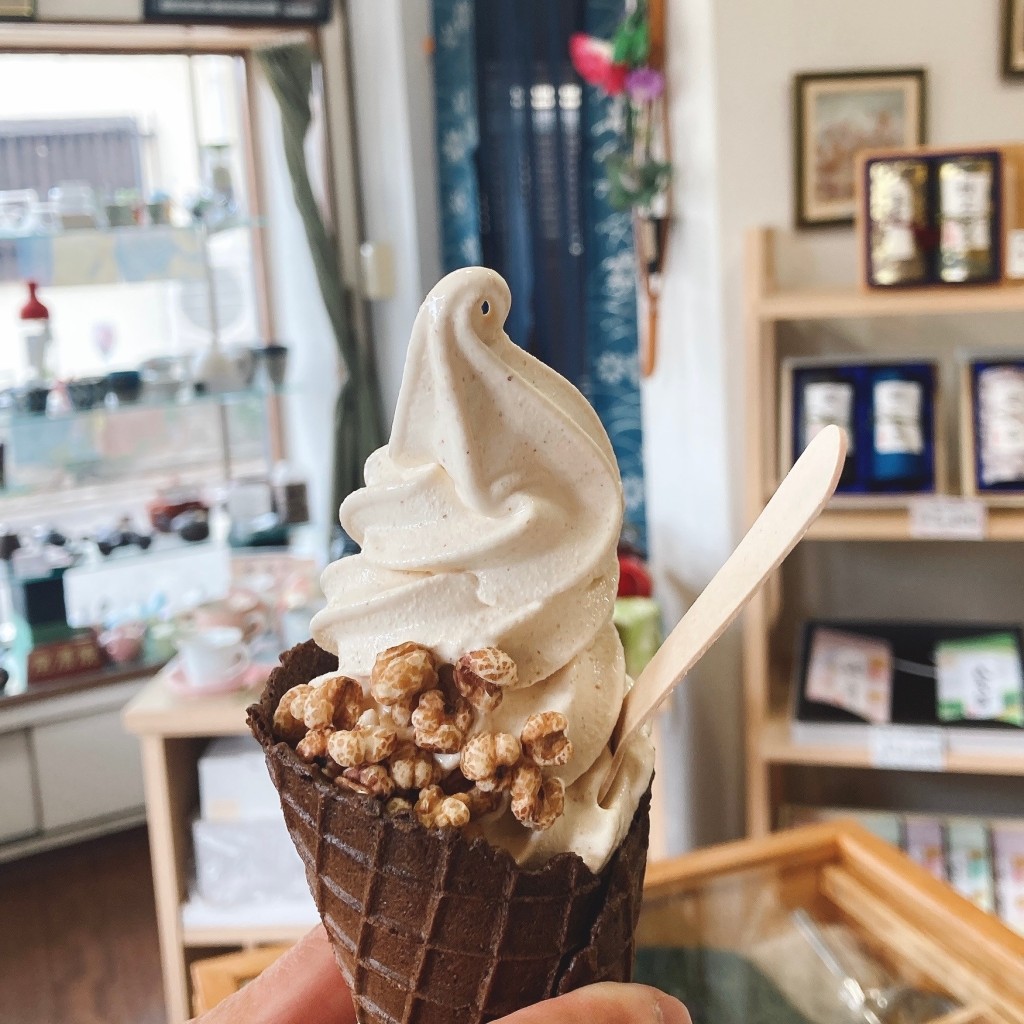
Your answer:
<point x="36" y="336"/>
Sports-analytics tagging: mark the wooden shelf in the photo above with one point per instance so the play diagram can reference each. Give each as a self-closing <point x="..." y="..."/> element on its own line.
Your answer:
<point x="769" y="304"/>
<point x="847" y="303"/>
<point x="893" y="524"/>
<point x="777" y="747"/>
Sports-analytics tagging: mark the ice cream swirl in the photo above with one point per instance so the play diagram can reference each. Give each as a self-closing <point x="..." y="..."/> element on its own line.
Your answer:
<point x="491" y="519"/>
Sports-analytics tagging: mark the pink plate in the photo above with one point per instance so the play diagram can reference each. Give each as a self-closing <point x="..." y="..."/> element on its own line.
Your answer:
<point x="248" y="678"/>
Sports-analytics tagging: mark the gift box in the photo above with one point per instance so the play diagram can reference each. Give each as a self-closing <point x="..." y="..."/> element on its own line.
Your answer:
<point x="233" y="782"/>
<point x="889" y="411"/>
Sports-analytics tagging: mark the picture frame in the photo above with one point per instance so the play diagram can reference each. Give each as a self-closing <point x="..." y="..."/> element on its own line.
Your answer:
<point x="17" y="10"/>
<point x="1013" y="39"/>
<point x="262" y="12"/>
<point x="837" y="114"/>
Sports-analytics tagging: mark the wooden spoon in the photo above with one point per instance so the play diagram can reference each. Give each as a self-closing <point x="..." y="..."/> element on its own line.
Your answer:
<point x="793" y="507"/>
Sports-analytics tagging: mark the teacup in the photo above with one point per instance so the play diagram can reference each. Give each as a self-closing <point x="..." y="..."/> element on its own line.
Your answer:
<point x="239" y="610"/>
<point x="211" y="655"/>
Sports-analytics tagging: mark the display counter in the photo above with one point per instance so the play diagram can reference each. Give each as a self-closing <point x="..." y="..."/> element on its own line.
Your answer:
<point x="823" y="925"/>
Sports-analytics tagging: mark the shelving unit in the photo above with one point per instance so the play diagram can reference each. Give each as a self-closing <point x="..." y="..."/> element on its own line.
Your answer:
<point x="770" y="747"/>
<point x="172" y="732"/>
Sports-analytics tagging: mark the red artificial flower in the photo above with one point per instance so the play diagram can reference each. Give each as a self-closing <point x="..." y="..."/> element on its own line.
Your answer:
<point x="592" y="59"/>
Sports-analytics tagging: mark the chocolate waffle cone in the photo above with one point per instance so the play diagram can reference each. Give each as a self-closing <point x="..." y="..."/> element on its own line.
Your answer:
<point x="430" y="927"/>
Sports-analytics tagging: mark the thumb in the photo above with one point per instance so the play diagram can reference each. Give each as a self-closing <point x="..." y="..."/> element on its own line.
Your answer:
<point x="606" y="1003"/>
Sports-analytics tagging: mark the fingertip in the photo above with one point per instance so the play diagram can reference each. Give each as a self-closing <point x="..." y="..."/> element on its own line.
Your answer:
<point x="670" y="1009"/>
<point x="606" y="1003"/>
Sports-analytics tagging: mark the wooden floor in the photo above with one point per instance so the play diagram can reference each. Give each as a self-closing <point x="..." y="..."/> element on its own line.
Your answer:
<point x="78" y="940"/>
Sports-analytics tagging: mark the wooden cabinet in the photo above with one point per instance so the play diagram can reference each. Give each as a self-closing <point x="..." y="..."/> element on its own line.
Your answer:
<point x="18" y="815"/>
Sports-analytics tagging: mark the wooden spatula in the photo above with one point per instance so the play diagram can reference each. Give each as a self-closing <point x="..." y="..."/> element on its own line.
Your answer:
<point x="793" y="507"/>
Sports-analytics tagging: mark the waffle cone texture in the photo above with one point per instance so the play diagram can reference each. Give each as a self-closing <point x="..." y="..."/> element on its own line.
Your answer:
<point x="430" y="927"/>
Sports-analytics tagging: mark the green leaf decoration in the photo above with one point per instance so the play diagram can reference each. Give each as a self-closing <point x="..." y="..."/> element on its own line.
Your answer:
<point x="621" y="43"/>
<point x="634" y="184"/>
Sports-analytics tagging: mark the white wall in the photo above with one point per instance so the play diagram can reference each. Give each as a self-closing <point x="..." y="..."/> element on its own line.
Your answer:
<point x="731" y="67"/>
<point x="393" y="103"/>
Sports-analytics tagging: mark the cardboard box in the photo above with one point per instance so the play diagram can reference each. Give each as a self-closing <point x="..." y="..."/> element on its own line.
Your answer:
<point x="233" y="782"/>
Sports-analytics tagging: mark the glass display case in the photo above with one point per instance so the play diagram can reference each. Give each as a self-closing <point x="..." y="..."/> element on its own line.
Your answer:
<point x="823" y="925"/>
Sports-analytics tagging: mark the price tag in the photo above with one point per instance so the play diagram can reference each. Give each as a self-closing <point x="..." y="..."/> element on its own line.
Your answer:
<point x="911" y="748"/>
<point x="944" y="518"/>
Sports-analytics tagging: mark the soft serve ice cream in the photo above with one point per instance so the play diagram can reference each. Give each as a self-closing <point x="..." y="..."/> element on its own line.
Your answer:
<point x="488" y="528"/>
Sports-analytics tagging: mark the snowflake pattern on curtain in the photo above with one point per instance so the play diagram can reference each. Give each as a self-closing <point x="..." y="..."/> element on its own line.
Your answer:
<point x="614" y="364"/>
<point x="458" y="133"/>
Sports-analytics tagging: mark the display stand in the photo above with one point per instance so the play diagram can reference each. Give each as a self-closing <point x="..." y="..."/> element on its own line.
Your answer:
<point x="767" y="690"/>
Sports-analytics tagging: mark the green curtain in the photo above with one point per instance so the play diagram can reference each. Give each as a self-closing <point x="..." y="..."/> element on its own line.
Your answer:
<point x="358" y="420"/>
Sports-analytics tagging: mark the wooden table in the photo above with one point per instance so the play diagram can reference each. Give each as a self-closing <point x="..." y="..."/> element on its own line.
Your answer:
<point x="172" y="732"/>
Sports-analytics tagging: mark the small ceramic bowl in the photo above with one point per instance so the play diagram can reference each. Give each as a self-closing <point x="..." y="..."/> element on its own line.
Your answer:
<point x="123" y="644"/>
<point x="32" y="399"/>
<point x="126" y="385"/>
<point x="86" y="392"/>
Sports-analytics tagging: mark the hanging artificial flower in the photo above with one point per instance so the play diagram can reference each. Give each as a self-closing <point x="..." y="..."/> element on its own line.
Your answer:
<point x="645" y="85"/>
<point x="620" y="68"/>
<point x="592" y="59"/>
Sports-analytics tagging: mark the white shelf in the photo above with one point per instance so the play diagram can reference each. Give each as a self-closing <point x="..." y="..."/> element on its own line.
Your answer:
<point x="128" y="255"/>
<point x="263" y="921"/>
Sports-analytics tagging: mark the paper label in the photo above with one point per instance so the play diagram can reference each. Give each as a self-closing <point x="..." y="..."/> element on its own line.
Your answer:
<point x="946" y="518"/>
<point x="954" y="238"/>
<point x="1015" y="253"/>
<point x="911" y="748"/>
<point x="970" y="868"/>
<point x="1001" y="419"/>
<point x="1008" y="858"/>
<point x="924" y="845"/>
<point x="899" y="243"/>
<point x="898" y="417"/>
<point x="966" y="194"/>
<point x="825" y="403"/>
<point x="980" y="679"/>
<point x="901" y="202"/>
<point x="851" y="672"/>
<point x="979" y="235"/>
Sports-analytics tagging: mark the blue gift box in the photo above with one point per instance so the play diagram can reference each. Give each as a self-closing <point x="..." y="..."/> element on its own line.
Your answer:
<point x="889" y="453"/>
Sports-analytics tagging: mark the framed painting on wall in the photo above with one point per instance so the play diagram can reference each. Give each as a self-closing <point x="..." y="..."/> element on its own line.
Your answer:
<point x="1013" y="38"/>
<point x="836" y="115"/>
<point x="269" y="12"/>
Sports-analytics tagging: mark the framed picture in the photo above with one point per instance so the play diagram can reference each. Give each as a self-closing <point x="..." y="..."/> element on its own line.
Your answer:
<point x="1013" y="38"/>
<point x="836" y="115"/>
<point x="17" y="10"/>
<point x="268" y="12"/>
